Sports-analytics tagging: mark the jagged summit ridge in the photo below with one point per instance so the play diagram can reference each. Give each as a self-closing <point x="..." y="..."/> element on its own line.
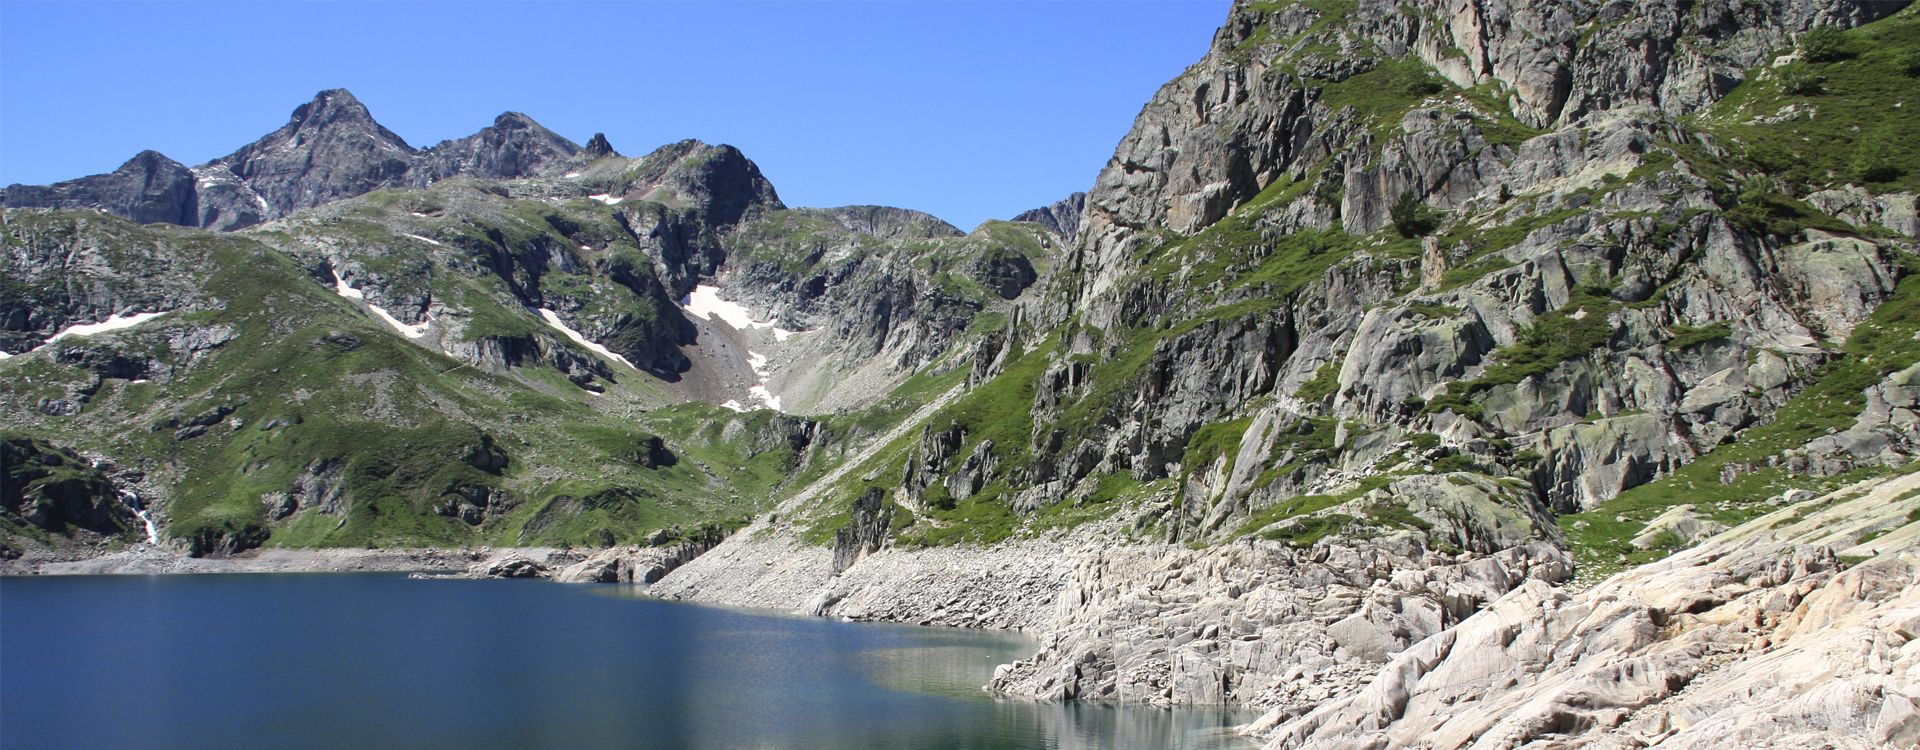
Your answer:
<point x="332" y="148"/>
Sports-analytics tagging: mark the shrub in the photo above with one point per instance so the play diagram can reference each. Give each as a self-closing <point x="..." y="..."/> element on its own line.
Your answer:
<point x="1824" y="44"/>
<point x="1908" y="64"/>
<point x="1411" y="218"/>
<point x="1798" y="80"/>
<point x="1424" y="88"/>
<point x="1872" y="162"/>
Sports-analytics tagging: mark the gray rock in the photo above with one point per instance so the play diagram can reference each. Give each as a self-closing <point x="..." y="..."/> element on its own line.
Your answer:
<point x="514" y="146"/>
<point x="148" y="188"/>
<point x="1061" y="218"/>
<point x="511" y="565"/>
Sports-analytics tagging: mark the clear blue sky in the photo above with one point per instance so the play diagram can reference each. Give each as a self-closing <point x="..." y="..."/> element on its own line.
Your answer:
<point x="968" y="111"/>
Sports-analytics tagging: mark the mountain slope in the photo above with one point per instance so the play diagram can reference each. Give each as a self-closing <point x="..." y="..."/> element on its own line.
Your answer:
<point x="491" y="340"/>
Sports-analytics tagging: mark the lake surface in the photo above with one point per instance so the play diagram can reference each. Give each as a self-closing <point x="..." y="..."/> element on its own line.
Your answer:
<point x="382" y="661"/>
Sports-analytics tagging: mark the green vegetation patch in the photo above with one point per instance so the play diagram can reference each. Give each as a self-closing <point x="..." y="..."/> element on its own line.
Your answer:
<point x="1845" y="92"/>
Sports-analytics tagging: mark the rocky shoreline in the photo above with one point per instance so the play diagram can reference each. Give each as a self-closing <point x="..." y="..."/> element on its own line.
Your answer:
<point x="144" y="559"/>
<point x="1787" y="631"/>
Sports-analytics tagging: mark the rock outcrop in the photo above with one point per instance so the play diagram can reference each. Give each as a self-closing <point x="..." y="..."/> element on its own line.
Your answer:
<point x="1061" y="218"/>
<point x="1793" y="630"/>
<point x="1257" y="624"/>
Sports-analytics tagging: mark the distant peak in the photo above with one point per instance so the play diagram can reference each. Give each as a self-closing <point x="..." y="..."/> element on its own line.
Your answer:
<point x="599" y="147"/>
<point x="514" y="120"/>
<point x="336" y="103"/>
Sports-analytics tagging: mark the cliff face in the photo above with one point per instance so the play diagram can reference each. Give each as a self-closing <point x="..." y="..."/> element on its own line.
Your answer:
<point x="1360" y="240"/>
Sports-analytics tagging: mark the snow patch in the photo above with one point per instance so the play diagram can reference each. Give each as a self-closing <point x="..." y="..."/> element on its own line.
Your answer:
<point x="412" y="332"/>
<point x="554" y="320"/>
<point x="571" y="175"/>
<point x="761" y="392"/>
<point x="607" y="199"/>
<point x="340" y="287"/>
<point x="112" y="323"/>
<point x="428" y="240"/>
<point x="758" y="362"/>
<point x="705" y="302"/>
<point x="5" y="356"/>
<point x="734" y="405"/>
<point x="781" y="334"/>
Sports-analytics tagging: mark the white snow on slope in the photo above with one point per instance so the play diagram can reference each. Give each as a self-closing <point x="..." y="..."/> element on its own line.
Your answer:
<point x="112" y="323"/>
<point x="428" y="240"/>
<point x="607" y="199"/>
<point x="412" y="332"/>
<point x="766" y="396"/>
<point x="340" y="287"/>
<point x="705" y="302"/>
<point x="554" y="320"/>
<point x="758" y="362"/>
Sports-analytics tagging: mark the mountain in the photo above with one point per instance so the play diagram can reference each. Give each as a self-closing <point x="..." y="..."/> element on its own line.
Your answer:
<point x="1426" y="374"/>
<point x="330" y="149"/>
<point x="492" y="321"/>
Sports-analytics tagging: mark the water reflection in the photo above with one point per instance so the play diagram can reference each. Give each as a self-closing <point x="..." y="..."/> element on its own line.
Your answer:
<point x="379" y="661"/>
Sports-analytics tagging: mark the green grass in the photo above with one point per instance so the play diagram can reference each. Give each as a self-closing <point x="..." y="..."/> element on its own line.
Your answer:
<point x="1855" y="138"/>
<point x="1688" y="336"/>
<point x="1325" y="382"/>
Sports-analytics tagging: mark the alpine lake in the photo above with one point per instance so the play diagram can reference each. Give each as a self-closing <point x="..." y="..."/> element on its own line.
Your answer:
<point x="378" y="660"/>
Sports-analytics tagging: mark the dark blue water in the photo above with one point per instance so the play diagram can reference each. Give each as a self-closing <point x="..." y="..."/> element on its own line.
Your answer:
<point x="382" y="661"/>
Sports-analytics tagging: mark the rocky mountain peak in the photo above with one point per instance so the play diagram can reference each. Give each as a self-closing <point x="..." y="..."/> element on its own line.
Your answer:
<point x="514" y="146"/>
<point x="148" y="188"/>
<point x="720" y="179"/>
<point x="336" y="108"/>
<point x="330" y="149"/>
<point x="598" y="147"/>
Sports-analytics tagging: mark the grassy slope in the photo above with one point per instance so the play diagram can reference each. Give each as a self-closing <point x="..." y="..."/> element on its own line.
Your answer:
<point x="401" y="419"/>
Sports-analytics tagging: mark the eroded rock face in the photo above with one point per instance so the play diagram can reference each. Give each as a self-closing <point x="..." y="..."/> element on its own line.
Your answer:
<point x="1254" y="623"/>
<point x="514" y="146"/>
<point x="1764" y="637"/>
